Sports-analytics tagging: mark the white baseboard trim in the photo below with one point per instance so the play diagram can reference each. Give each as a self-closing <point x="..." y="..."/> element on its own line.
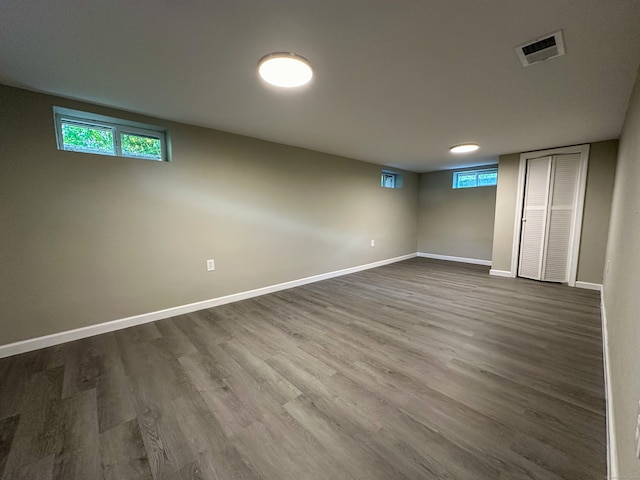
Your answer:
<point x="91" y="330"/>
<point x="449" y="258"/>
<point x="500" y="273"/>
<point x="612" y="450"/>
<point x="589" y="285"/>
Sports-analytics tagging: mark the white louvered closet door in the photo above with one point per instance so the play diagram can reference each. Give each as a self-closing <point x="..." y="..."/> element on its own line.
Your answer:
<point x="534" y="217"/>
<point x="548" y="215"/>
<point x="564" y="187"/>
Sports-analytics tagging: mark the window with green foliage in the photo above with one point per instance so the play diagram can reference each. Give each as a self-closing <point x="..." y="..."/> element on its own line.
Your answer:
<point x="141" y="146"/>
<point x="475" y="178"/>
<point x="91" y="133"/>
<point x="79" y="137"/>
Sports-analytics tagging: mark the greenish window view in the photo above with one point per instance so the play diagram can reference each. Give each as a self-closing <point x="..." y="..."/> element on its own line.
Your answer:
<point x="88" y="139"/>
<point x="141" y="146"/>
<point x="92" y="133"/>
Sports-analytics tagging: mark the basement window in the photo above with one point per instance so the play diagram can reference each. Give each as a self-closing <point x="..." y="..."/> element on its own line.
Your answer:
<point x="476" y="178"/>
<point x="85" y="132"/>
<point x="390" y="180"/>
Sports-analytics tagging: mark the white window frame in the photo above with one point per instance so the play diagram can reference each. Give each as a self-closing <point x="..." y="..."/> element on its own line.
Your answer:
<point x="475" y="172"/>
<point x="116" y="125"/>
<point x="397" y="179"/>
<point x="384" y="177"/>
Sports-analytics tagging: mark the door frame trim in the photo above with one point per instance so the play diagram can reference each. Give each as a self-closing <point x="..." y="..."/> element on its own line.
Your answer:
<point x="574" y="250"/>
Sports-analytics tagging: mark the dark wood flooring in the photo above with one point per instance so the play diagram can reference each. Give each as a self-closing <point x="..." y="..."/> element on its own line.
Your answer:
<point x="417" y="370"/>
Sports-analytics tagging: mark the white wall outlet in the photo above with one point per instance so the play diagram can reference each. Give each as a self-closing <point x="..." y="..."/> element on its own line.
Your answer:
<point x="373" y="243"/>
<point x="211" y="266"/>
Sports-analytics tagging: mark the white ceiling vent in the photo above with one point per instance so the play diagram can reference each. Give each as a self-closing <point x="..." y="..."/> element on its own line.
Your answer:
<point x="541" y="49"/>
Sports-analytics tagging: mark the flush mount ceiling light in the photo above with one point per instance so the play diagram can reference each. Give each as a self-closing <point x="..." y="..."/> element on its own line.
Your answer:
<point x="285" y="70"/>
<point x="464" y="148"/>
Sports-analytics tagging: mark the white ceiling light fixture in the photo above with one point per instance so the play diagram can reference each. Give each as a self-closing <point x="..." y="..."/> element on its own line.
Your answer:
<point x="464" y="148"/>
<point x="286" y="70"/>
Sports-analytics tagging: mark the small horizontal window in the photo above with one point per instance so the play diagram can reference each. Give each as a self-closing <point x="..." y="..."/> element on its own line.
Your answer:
<point x="475" y="178"/>
<point x="390" y="180"/>
<point x="90" y="133"/>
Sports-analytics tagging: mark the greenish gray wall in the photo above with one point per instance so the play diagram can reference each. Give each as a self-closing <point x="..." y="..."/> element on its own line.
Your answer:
<point x="621" y="293"/>
<point x="455" y="222"/>
<point x="86" y="238"/>
<point x="597" y="210"/>
<point x="506" y="196"/>
<point x="598" y="194"/>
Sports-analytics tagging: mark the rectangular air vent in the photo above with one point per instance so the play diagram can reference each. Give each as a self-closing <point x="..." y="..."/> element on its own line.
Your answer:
<point x="541" y="49"/>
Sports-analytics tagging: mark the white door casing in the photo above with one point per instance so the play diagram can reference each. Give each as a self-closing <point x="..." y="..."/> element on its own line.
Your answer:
<point x="573" y="238"/>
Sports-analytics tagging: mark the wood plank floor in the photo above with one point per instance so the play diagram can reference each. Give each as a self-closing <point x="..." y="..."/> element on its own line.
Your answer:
<point x="417" y="370"/>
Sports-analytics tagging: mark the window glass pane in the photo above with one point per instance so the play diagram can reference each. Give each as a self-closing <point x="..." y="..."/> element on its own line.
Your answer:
<point x="475" y="178"/>
<point x="141" y="146"/>
<point x="388" y="180"/>
<point x="466" y="180"/>
<point x="87" y="138"/>
<point x="487" y="178"/>
<point x="92" y="133"/>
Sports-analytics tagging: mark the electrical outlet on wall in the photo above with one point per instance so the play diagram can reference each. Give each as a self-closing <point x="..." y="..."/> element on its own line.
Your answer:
<point x="211" y="265"/>
<point x="373" y="243"/>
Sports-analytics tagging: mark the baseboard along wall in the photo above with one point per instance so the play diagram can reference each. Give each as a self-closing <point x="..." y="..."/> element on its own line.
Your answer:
<point x="612" y="451"/>
<point x="501" y="273"/>
<point x="589" y="285"/>
<point x="119" y="324"/>
<point x="579" y="284"/>
<point x="449" y="258"/>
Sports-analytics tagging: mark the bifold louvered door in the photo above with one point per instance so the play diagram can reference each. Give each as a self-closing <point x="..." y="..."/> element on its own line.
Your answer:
<point x="534" y="217"/>
<point x="548" y="215"/>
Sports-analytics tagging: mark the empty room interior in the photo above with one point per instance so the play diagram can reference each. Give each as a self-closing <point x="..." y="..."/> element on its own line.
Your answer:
<point x="320" y="240"/>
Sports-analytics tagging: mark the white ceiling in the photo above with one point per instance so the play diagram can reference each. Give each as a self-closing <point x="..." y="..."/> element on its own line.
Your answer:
<point x="397" y="81"/>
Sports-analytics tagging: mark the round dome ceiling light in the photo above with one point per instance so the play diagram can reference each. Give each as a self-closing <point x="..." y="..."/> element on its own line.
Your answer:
<point x="286" y="70"/>
<point x="464" y="148"/>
